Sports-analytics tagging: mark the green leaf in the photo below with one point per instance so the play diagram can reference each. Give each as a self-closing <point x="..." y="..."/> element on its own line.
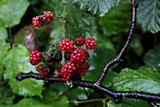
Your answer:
<point x="137" y="45"/>
<point x="11" y="12"/>
<point x="30" y="102"/>
<point x="4" y="47"/>
<point x="78" y="93"/>
<point x="144" y="79"/>
<point x="96" y="6"/>
<point x="104" y="42"/>
<point x="97" y="61"/>
<point x="62" y="102"/>
<point x="17" y="61"/>
<point x="6" y="96"/>
<point x="128" y="103"/>
<point x="3" y="34"/>
<point x="152" y="58"/>
<point x="149" y="14"/>
<point x="117" y="20"/>
<point x="82" y="24"/>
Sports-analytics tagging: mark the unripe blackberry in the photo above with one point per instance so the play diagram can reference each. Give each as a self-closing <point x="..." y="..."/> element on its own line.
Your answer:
<point x="66" y="45"/>
<point x="44" y="72"/>
<point x="35" y="57"/>
<point x="48" y="16"/>
<point x="90" y="43"/>
<point x="79" y="41"/>
<point x="79" y="55"/>
<point x="81" y="69"/>
<point x="37" y="21"/>
<point x="67" y="70"/>
<point x="39" y="67"/>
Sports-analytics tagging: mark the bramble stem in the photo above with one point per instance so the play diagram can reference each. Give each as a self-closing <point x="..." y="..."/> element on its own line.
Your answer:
<point x="116" y="95"/>
<point x="118" y="58"/>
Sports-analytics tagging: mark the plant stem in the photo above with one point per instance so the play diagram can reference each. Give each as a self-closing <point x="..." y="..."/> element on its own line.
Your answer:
<point x="10" y="36"/>
<point x="118" y="58"/>
<point x="63" y="29"/>
<point x="92" y="100"/>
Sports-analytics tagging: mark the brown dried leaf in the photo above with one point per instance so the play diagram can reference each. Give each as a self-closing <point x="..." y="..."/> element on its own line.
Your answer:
<point x="30" y="40"/>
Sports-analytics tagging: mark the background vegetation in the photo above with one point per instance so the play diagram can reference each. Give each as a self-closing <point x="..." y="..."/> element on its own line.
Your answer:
<point x="108" y="22"/>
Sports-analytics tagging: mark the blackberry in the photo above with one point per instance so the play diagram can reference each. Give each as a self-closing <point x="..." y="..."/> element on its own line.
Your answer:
<point x="79" y="55"/>
<point x="66" y="45"/>
<point x="90" y="43"/>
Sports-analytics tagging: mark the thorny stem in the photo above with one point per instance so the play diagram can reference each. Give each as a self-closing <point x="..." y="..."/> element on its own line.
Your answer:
<point x="118" y="58"/>
<point x="116" y="95"/>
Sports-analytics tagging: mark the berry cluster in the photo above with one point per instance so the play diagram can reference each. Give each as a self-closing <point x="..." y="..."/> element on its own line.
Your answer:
<point x="79" y="41"/>
<point x="43" y="70"/>
<point x="67" y="70"/>
<point x="66" y="45"/>
<point x="90" y="43"/>
<point x="47" y="16"/>
<point x="38" y="21"/>
<point x="35" y="57"/>
<point x="78" y="57"/>
<point x="70" y="68"/>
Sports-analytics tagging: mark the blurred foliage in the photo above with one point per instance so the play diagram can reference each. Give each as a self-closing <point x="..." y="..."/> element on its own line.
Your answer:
<point x="108" y="21"/>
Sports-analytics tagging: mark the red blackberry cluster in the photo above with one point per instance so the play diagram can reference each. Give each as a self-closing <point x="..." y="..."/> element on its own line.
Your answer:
<point x="48" y="16"/>
<point x="66" y="45"/>
<point x="38" y="21"/>
<point x="35" y="57"/>
<point x="67" y="70"/>
<point x="78" y="63"/>
<point x="81" y="69"/>
<point x="79" y="41"/>
<point x="90" y="43"/>
<point x="43" y="70"/>
<point x="70" y="68"/>
<point x="79" y="55"/>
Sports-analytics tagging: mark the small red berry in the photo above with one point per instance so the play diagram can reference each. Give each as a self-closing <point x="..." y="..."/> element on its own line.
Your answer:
<point x="66" y="45"/>
<point x="44" y="72"/>
<point x="79" y="41"/>
<point x="67" y="70"/>
<point x="37" y="21"/>
<point x="79" y="55"/>
<point x="48" y="16"/>
<point x="35" y="57"/>
<point x="81" y="69"/>
<point x="90" y="43"/>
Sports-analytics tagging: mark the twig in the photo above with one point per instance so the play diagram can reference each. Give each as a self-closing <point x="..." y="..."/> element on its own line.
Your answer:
<point x="118" y="58"/>
<point x="116" y="95"/>
<point x="92" y="100"/>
